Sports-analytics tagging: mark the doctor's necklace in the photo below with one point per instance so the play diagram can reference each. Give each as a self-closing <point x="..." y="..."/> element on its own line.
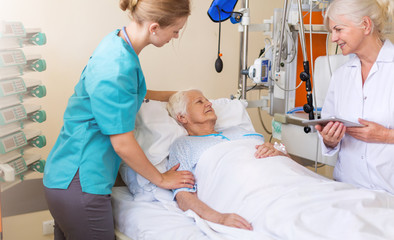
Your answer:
<point x="127" y="37"/>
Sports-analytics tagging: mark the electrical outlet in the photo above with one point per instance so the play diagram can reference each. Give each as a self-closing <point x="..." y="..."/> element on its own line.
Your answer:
<point x="48" y="227"/>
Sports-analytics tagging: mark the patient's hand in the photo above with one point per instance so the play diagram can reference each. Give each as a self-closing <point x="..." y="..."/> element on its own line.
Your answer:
<point x="189" y="200"/>
<point x="234" y="220"/>
<point x="268" y="150"/>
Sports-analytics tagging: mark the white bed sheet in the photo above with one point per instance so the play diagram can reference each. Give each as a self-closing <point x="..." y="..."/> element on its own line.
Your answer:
<point x="290" y="203"/>
<point x="141" y="220"/>
<point x="146" y="220"/>
<point x="284" y="200"/>
<point x="294" y="203"/>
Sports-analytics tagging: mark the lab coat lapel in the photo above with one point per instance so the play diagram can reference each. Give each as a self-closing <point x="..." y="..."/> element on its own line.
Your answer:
<point x="357" y="81"/>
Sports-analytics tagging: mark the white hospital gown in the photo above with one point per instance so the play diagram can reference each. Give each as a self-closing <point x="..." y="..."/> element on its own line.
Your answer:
<point x="187" y="150"/>
<point x="368" y="165"/>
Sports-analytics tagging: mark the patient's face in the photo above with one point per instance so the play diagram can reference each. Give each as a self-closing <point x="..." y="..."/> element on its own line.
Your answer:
<point x="199" y="109"/>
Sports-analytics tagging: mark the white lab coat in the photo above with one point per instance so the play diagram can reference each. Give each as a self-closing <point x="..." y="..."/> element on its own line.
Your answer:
<point x="368" y="165"/>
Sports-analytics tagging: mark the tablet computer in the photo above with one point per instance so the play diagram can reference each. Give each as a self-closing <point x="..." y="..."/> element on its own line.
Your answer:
<point x="324" y="121"/>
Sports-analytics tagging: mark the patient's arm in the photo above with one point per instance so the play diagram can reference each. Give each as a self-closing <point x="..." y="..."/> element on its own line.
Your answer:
<point x="189" y="200"/>
<point x="127" y="147"/>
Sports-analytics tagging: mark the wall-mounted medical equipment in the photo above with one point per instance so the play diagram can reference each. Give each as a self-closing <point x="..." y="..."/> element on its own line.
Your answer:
<point x="219" y="11"/>
<point x="258" y="72"/>
<point x="14" y="35"/>
<point x="16" y="63"/>
<point x="281" y="72"/>
<point x="284" y="43"/>
<point x="305" y="75"/>
<point x="19" y="114"/>
<point x="261" y="71"/>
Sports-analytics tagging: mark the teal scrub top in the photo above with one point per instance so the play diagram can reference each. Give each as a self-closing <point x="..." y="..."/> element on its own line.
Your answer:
<point x="105" y="102"/>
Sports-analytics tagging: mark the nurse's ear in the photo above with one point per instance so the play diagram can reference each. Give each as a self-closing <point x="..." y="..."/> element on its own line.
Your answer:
<point x="367" y="25"/>
<point x="153" y="27"/>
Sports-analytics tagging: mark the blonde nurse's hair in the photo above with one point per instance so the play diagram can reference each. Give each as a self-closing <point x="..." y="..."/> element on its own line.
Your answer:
<point x="163" y="12"/>
<point x="379" y="11"/>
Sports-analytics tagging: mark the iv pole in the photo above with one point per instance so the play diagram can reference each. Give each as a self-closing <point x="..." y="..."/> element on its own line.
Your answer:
<point x="244" y="50"/>
<point x="305" y="75"/>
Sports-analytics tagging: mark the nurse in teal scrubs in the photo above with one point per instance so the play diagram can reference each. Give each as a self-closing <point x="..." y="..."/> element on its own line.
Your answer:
<point x="99" y="122"/>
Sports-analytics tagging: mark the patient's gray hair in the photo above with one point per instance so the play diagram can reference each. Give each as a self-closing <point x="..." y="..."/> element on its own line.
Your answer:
<point x="178" y="102"/>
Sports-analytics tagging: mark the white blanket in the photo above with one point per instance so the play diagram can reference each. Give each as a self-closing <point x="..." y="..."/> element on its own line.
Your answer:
<point x="284" y="200"/>
<point x="140" y="220"/>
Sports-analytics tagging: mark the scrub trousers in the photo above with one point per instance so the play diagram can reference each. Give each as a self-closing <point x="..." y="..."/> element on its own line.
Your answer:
<point x="79" y="215"/>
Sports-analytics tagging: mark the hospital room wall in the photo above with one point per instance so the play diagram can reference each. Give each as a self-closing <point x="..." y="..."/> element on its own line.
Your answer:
<point x="74" y="28"/>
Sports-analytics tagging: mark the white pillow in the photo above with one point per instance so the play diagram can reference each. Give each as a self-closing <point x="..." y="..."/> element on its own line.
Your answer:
<point x="155" y="131"/>
<point x="231" y="113"/>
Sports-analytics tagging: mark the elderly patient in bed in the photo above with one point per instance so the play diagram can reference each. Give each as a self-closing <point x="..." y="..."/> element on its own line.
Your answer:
<point x="195" y="113"/>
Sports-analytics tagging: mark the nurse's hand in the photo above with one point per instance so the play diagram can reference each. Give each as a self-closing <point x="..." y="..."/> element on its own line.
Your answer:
<point x="372" y="132"/>
<point x="173" y="179"/>
<point x="332" y="133"/>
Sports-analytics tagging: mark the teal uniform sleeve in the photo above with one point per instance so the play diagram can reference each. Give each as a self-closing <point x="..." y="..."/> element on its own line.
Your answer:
<point x="113" y="88"/>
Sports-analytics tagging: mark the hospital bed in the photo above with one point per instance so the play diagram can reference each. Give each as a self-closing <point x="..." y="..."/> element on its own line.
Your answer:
<point x="315" y="209"/>
<point x="135" y="212"/>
